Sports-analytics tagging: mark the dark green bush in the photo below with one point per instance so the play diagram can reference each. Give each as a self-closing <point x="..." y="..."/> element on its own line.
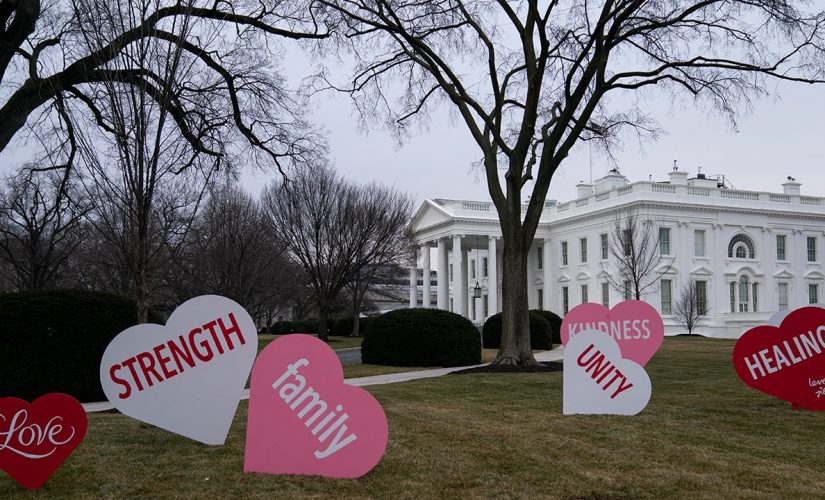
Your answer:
<point x="421" y="337"/>
<point x="555" y="324"/>
<point x="305" y="326"/>
<point x="540" y="332"/>
<point x="281" y="328"/>
<point x="343" y="327"/>
<point x="53" y="341"/>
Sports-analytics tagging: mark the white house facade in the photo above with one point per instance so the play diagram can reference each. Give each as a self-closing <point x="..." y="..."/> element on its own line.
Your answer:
<point x="750" y="253"/>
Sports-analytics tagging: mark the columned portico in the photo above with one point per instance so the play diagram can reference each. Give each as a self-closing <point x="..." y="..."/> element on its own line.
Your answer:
<point x="459" y="278"/>
<point x="413" y="287"/>
<point x="443" y="292"/>
<point x="425" y="299"/>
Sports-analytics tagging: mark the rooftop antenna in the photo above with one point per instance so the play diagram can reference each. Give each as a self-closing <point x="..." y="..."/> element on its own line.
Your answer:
<point x="675" y="168"/>
<point x="700" y="169"/>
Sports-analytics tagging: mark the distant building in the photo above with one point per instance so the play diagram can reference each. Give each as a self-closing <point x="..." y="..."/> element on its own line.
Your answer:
<point x="751" y="253"/>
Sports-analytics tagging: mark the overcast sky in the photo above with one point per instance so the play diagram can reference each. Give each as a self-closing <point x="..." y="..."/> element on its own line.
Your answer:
<point x="783" y="136"/>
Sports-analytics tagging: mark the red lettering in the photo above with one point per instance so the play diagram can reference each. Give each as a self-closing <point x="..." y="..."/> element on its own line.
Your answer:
<point x="211" y="327"/>
<point x="234" y="329"/>
<point x="163" y="361"/>
<point x="585" y="363"/>
<point x="205" y="344"/>
<point x="130" y="363"/>
<point x="148" y="367"/>
<point x="112" y="373"/>
<point x="181" y="352"/>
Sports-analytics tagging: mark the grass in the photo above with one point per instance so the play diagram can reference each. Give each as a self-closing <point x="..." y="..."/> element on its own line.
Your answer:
<point x="335" y="342"/>
<point x="704" y="434"/>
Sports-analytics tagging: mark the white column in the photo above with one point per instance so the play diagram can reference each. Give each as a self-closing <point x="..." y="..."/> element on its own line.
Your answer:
<point x="547" y="267"/>
<point x="492" y="276"/>
<point x="443" y="292"/>
<point x="413" y="286"/>
<point x="425" y="299"/>
<point x="459" y="278"/>
<point x="465" y="262"/>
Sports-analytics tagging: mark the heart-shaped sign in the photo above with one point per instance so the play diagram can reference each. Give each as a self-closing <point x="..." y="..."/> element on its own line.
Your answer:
<point x="303" y="418"/>
<point x="635" y="325"/>
<point x="186" y="377"/>
<point x="36" y="438"/>
<point x="597" y="380"/>
<point x="788" y="361"/>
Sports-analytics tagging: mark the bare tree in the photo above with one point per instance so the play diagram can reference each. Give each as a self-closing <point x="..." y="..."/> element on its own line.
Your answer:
<point x="689" y="312"/>
<point x="530" y="79"/>
<point x="40" y="227"/>
<point x="231" y="250"/>
<point x="335" y="230"/>
<point x="634" y="246"/>
<point x="51" y="52"/>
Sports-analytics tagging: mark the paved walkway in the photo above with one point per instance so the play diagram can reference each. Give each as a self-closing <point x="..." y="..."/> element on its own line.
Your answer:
<point x="390" y="378"/>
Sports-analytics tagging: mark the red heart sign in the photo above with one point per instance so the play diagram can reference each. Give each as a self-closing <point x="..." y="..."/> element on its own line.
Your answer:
<point x="36" y="438"/>
<point x="788" y="361"/>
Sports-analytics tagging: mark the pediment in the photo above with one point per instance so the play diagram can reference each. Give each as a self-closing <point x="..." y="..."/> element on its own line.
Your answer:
<point x="564" y="278"/>
<point x="701" y="271"/>
<point x="784" y="274"/>
<point x="603" y="274"/>
<point x="738" y="271"/>
<point x="584" y="275"/>
<point x="429" y="214"/>
<point x="814" y="275"/>
<point x="667" y="269"/>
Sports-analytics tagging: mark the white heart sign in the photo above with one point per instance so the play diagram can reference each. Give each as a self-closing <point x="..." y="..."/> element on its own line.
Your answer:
<point x="597" y="380"/>
<point x="186" y="377"/>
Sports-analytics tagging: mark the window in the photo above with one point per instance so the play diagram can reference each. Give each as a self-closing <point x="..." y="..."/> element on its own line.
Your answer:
<point x="702" y="297"/>
<point x="732" y="296"/>
<point x="627" y="241"/>
<point x="664" y="241"/>
<point x="811" y="250"/>
<point x="451" y="275"/>
<point x="604" y="245"/>
<point x="741" y="247"/>
<point x="606" y="294"/>
<point x="783" y="296"/>
<point x="540" y="257"/>
<point x="666" y="287"/>
<point x="584" y="293"/>
<point x="484" y="267"/>
<point x="813" y="293"/>
<point x="541" y="298"/>
<point x="473" y="271"/>
<point x="565" y="300"/>
<point x="699" y="243"/>
<point x="485" y="305"/>
<point x="780" y="246"/>
<point x="744" y="286"/>
<point x="627" y="290"/>
<point x="583" y="245"/>
<point x="564" y="253"/>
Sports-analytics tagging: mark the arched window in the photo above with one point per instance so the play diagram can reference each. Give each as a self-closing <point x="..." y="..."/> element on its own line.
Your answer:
<point x="741" y="247"/>
<point x="744" y="286"/>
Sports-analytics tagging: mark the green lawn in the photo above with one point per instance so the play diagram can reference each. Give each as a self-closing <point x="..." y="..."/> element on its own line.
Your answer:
<point x="335" y="342"/>
<point x="703" y="435"/>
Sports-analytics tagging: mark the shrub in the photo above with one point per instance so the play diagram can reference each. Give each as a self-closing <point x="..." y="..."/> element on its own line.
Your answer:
<point x="343" y="327"/>
<point x="421" y="337"/>
<point x="281" y="328"/>
<point x="555" y="324"/>
<point x="53" y="341"/>
<point x="540" y="332"/>
<point x="305" y="326"/>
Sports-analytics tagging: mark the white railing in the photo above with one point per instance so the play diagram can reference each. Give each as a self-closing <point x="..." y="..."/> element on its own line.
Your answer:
<point x="603" y="196"/>
<point x="664" y="188"/>
<point x="697" y="191"/>
<point x="624" y="190"/>
<point x="810" y="200"/>
<point x="582" y="202"/>
<point x="563" y="206"/>
<point x="478" y="207"/>
<point x="779" y="198"/>
<point x="740" y="195"/>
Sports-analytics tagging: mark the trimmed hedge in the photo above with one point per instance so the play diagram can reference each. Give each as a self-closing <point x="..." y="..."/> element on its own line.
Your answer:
<point x="421" y="337"/>
<point x="53" y="341"/>
<point x="343" y="327"/>
<point x="540" y="332"/>
<point x="555" y="324"/>
<point x="281" y="328"/>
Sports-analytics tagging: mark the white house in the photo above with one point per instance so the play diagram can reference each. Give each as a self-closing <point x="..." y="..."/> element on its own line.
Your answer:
<point x="751" y="253"/>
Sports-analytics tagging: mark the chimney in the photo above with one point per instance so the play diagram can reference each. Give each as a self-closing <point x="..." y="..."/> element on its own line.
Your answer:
<point x="678" y="177"/>
<point x="791" y="186"/>
<point x="583" y="190"/>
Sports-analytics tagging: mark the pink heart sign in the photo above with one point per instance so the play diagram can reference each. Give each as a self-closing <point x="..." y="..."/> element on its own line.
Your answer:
<point x="303" y="418"/>
<point x="186" y="377"/>
<point x="635" y="325"/>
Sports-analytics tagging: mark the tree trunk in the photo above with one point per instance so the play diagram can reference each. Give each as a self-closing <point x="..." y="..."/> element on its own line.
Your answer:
<point x="142" y="264"/>
<point x="515" y="326"/>
<point x="322" y="324"/>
